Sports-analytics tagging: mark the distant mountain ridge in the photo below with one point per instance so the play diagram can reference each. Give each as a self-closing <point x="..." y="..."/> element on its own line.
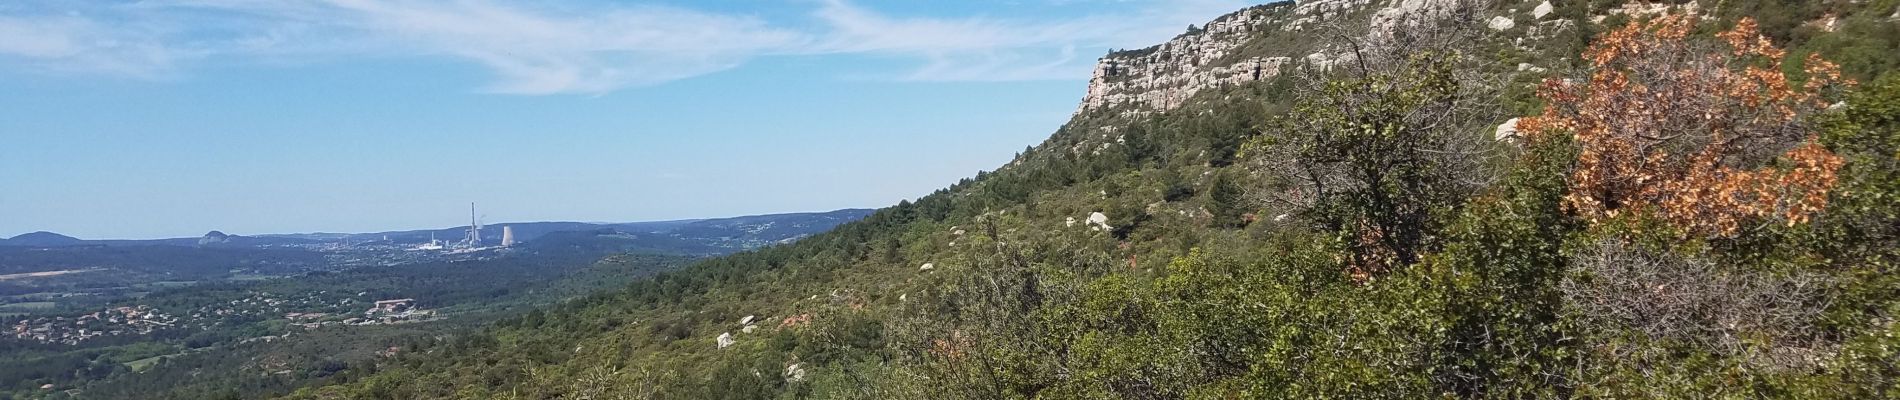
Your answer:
<point x="42" y="239"/>
<point x="751" y="228"/>
<point x="744" y="232"/>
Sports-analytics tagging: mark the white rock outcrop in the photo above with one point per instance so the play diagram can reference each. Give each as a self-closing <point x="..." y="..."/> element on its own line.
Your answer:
<point x="1320" y="60"/>
<point x="1165" y="76"/>
<point x="1542" y="9"/>
<point x="794" y="373"/>
<point x="1099" y="221"/>
<point x="927" y="267"/>
<point x="1402" y="14"/>
<point x="1307" y="13"/>
<point x="1500" y="23"/>
<point x="725" y="340"/>
<point x="1507" y="130"/>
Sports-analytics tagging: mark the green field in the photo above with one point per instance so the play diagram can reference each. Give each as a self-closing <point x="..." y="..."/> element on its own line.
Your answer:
<point x="143" y="363"/>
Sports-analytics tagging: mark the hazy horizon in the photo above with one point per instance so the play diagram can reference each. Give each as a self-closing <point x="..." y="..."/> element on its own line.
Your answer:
<point x="463" y="223"/>
<point x="172" y="118"/>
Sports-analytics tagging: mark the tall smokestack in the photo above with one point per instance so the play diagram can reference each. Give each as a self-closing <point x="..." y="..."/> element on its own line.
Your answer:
<point x="474" y="227"/>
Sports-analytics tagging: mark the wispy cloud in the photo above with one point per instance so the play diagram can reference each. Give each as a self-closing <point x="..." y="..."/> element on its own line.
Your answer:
<point x="570" y="49"/>
<point x="561" y="47"/>
<point x="579" y="50"/>
<point x="76" y="44"/>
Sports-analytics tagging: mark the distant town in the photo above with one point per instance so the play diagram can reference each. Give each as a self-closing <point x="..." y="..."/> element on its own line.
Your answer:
<point x="308" y="312"/>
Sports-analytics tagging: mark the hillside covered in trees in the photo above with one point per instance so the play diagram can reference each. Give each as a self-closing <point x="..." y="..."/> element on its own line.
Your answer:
<point x="1402" y="199"/>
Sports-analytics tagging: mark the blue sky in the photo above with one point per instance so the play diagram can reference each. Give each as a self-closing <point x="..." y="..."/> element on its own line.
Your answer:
<point x="168" y="118"/>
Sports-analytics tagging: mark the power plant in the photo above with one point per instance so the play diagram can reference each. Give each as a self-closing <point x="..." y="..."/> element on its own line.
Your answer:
<point x="474" y="228"/>
<point x="471" y="240"/>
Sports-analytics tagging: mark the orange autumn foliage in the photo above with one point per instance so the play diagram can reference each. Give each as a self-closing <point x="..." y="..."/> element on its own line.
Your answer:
<point x="1692" y="131"/>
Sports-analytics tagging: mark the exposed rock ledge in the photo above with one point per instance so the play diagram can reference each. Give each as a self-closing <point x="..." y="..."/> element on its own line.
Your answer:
<point x="1164" y="76"/>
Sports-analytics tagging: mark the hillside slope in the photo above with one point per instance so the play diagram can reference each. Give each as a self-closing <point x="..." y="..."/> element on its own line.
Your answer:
<point x="1329" y="199"/>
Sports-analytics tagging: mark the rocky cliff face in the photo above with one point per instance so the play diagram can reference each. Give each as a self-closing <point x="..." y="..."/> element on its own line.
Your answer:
<point x="1164" y="76"/>
<point x="1266" y="41"/>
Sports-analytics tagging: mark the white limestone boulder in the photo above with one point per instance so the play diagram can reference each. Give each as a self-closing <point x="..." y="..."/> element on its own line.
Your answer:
<point x="1500" y="23"/>
<point x="1099" y="221"/>
<point x="1507" y="130"/>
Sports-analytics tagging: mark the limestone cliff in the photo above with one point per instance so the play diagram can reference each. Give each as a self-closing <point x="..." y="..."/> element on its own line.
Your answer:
<point x="1265" y="41"/>
<point x="1163" y="76"/>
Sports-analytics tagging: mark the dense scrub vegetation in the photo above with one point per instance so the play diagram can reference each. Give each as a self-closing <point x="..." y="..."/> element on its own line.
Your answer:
<point x="1698" y="208"/>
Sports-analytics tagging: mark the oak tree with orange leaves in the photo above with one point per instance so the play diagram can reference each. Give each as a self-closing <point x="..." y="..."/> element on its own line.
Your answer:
<point x="1708" y="135"/>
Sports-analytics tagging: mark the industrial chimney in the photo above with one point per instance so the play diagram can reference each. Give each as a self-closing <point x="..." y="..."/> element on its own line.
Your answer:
<point x="474" y="228"/>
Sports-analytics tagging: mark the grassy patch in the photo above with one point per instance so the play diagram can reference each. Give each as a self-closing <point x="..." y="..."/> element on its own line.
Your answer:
<point x="140" y="365"/>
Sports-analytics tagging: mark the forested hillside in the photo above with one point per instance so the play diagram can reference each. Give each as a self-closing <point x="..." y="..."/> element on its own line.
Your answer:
<point x="1330" y="199"/>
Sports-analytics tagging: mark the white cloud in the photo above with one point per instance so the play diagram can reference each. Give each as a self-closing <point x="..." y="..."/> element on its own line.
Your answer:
<point x="548" y="47"/>
<point x="581" y="51"/>
<point x="73" y="44"/>
<point x="541" y="51"/>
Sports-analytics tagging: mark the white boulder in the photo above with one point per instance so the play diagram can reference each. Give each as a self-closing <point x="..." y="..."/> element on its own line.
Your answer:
<point x="1099" y="221"/>
<point x="1499" y="23"/>
<point x="1507" y="130"/>
<point x="725" y="340"/>
<point x="927" y="267"/>
<point x="1542" y="9"/>
<point x="794" y="373"/>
